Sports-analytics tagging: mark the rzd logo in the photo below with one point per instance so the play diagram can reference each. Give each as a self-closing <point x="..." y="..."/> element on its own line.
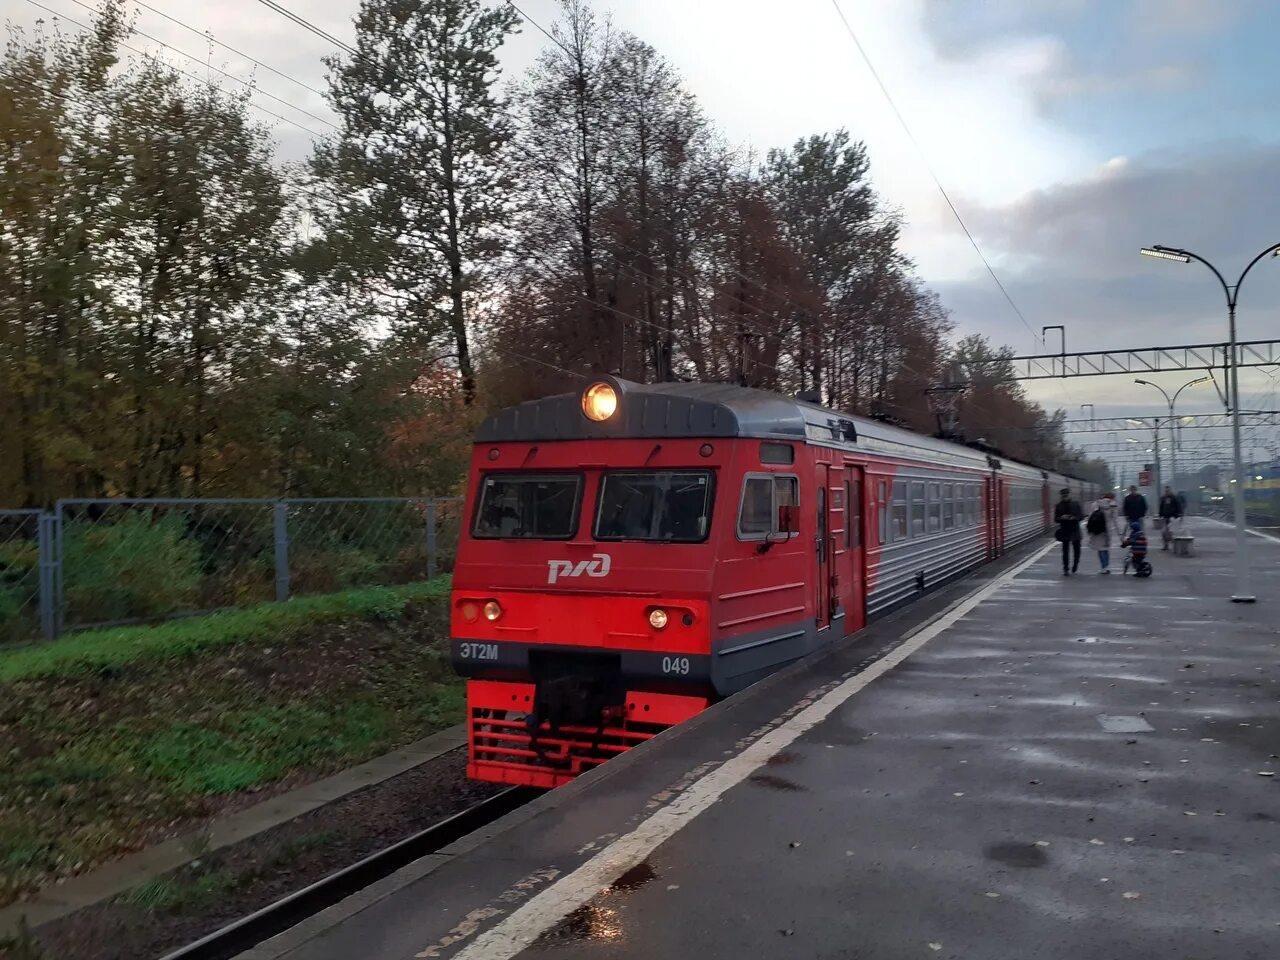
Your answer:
<point x="597" y="566"/>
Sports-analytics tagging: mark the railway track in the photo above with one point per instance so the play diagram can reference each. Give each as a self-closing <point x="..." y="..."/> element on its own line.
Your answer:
<point x="250" y="930"/>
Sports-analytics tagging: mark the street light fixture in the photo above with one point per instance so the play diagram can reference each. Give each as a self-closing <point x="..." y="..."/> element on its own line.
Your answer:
<point x="1173" y="455"/>
<point x="1243" y="592"/>
<point x="1165" y="254"/>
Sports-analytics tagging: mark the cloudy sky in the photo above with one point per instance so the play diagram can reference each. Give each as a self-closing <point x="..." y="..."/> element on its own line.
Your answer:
<point x="1069" y="133"/>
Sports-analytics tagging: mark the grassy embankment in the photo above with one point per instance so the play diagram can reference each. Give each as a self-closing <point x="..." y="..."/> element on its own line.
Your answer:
<point x="113" y="739"/>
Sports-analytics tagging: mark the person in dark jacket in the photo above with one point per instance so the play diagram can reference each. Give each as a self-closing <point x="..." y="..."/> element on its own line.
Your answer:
<point x="1170" y="509"/>
<point x="1068" y="515"/>
<point x="1135" y="506"/>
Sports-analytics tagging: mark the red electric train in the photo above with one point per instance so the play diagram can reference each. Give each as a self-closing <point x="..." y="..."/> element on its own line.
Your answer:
<point x="632" y="553"/>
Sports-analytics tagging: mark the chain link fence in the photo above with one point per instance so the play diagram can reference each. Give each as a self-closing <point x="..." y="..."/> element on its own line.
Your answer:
<point x="93" y="563"/>
<point x="25" y="593"/>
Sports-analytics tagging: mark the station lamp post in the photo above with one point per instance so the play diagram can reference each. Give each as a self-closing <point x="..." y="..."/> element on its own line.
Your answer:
<point x="1173" y="447"/>
<point x="1244" y="593"/>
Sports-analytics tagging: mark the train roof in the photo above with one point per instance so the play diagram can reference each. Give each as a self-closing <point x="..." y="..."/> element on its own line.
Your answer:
<point x="691" y="410"/>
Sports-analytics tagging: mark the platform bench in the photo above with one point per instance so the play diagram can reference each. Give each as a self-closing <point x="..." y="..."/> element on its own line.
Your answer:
<point x="1182" y="545"/>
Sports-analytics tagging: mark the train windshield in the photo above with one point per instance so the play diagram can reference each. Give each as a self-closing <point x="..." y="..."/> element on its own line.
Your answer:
<point x="668" y="506"/>
<point x="528" y="506"/>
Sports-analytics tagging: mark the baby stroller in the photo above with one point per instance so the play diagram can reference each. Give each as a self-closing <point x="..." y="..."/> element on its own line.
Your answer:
<point x="1137" y="555"/>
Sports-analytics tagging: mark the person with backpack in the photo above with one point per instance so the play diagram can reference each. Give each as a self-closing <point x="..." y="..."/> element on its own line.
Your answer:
<point x="1068" y="515"/>
<point x="1102" y="526"/>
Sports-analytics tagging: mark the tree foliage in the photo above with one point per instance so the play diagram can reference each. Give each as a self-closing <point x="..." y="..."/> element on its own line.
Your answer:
<point x="181" y="314"/>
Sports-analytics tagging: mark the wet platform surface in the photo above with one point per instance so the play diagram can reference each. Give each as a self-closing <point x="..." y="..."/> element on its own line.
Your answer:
<point x="1074" y="768"/>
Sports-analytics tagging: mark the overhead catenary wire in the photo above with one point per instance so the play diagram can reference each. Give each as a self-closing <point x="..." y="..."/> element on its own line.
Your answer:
<point x="190" y="56"/>
<point x="937" y="182"/>
<point x="317" y="31"/>
<point x="929" y="167"/>
<point x="491" y="346"/>
<point x="744" y="278"/>
<point x="312" y="28"/>
<point x="200" y="80"/>
<point x="226" y="46"/>
<point x="309" y="26"/>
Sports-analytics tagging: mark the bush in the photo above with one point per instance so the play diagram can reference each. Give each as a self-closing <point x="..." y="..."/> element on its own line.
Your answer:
<point x="140" y="565"/>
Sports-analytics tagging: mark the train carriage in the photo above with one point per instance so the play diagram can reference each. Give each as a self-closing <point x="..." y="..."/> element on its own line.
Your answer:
<point x="635" y="552"/>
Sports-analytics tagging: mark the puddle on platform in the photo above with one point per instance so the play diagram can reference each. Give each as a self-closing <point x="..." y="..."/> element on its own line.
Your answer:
<point x="590" y="923"/>
<point x="636" y="877"/>
<point x="777" y="783"/>
<point x="597" y="922"/>
<point x="1017" y="854"/>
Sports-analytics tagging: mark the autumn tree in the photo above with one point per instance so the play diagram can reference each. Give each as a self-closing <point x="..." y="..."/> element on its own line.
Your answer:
<point x="822" y="188"/>
<point x="417" y="184"/>
<point x="141" y="233"/>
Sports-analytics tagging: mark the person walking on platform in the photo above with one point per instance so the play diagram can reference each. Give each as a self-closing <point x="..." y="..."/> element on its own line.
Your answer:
<point x="1102" y="526"/>
<point x="1170" y="510"/>
<point x="1067" y="516"/>
<point x="1135" y="507"/>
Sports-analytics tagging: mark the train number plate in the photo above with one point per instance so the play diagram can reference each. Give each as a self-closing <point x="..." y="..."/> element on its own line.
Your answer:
<point x="478" y="651"/>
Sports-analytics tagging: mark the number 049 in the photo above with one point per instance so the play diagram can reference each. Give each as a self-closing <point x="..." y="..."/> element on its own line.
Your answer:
<point x="678" y="665"/>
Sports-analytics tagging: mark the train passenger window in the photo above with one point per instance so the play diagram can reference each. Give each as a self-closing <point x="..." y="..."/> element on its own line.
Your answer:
<point x="882" y="510"/>
<point x="852" y="516"/>
<point x="762" y="495"/>
<point x="782" y="453"/>
<point x="668" y="506"/>
<point x="534" y="506"/>
<point x="948" y="507"/>
<point x="935" y="507"/>
<point x="917" y="509"/>
<point x="901" y="511"/>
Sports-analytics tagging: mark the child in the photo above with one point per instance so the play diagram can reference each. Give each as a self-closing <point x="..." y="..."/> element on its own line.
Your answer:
<point x="1137" y="544"/>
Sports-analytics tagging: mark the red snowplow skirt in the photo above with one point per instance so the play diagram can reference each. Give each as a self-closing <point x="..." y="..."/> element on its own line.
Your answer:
<point x="503" y="750"/>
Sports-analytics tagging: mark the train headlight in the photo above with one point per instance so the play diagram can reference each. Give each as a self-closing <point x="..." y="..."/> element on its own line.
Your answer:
<point x="492" y="610"/>
<point x="657" y="618"/>
<point x="470" y="611"/>
<point x="599" y="402"/>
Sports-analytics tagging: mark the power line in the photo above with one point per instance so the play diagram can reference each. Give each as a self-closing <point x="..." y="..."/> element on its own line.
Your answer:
<point x="251" y="86"/>
<point x="226" y="46"/>
<point x="924" y="157"/>
<point x="309" y="26"/>
<point x="537" y="26"/>
<point x="200" y="80"/>
<point x="938" y="182"/>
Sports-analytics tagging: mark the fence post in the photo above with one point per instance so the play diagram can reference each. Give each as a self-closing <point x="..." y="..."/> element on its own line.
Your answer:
<point x="59" y="570"/>
<point x="431" y="540"/>
<point x="281" y="512"/>
<point x="48" y="581"/>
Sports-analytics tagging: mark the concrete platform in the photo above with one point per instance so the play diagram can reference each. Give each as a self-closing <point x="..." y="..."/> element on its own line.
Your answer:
<point x="1022" y="766"/>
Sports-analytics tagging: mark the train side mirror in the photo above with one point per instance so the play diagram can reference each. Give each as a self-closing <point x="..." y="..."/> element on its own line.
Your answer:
<point x="788" y="518"/>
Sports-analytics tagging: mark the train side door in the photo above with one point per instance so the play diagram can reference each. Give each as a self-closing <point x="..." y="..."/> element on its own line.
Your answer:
<point x="852" y="571"/>
<point x="823" y="548"/>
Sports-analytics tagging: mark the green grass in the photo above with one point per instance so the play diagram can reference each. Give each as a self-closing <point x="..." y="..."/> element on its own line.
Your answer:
<point x="199" y="886"/>
<point x="172" y="895"/>
<point x="116" y="647"/>
<point x="98" y="758"/>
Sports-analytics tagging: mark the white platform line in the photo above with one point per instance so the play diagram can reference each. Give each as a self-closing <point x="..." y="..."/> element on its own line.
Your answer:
<point x="509" y="937"/>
